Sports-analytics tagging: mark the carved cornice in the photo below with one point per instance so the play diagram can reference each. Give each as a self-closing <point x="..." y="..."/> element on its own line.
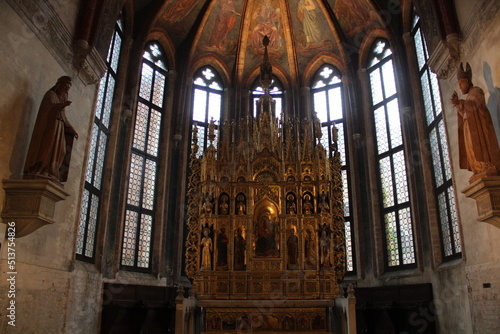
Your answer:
<point x="43" y="20"/>
<point x="479" y="20"/>
<point x="446" y="56"/>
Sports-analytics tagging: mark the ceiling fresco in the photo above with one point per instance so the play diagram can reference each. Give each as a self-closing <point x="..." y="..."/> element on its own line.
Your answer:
<point x="233" y="30"/>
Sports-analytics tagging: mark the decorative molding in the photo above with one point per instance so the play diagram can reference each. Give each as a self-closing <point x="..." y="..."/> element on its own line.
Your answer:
<point x="479" y="20"/>
<point x="486" y="192"/>
<point x="43" y="20"/>
<point x="88" y="63"/>
<point x="30" y="203"/>
<point x="446" y="57"/>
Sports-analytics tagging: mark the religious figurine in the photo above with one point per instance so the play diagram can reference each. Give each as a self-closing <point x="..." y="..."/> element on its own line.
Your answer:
<point x="224" y="205"/>
<point x="222" y="241"/>
<point x="208" y="203"/>
<point x="239" y="250"/>
<point x="323" y="206"/>
<point x="240" y="205"/>
<point x="206" y="253"/>
<point x="325" y="245"/>
<point x="310" y="250"/>
<point x="291" y="207"/>
<point x="292" y="245"/>
<point x="52" y="139"/>
<point x="265" y="244"/>
<point x="307" y="206"/>
<point x="478" y="146"/>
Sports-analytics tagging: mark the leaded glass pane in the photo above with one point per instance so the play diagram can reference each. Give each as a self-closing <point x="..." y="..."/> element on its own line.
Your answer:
<point x="100" y="96"/>
<point x="400" y="177"/>
<point x="376" y="86"/>
<point x="406" y="236"/>
<point x="391" y="234"/>
<point x="80" y="238"/>
<point x="148" y="195"/>
<point x="386" y="180"/>
<point x="159" y="89"/>
<point x="445" y="224"/>
<point x="214" y="106"/>
<point x="381" y="130"/>
<point x="99" y="167"/>
<point x="279" y="107"/>
<point x="388" y="79"/>
<point x="454" y="221"/>
<point x="92" y="154"/>
<point x="320" y="106"/>
<point x="116" y="52"/>
<point x="91" y="227"/>
<point x="144" y="241"/>
<point x="201" y="140"/>
<point x="348" y="246"/>
<point x="345" y="188"/>
<point x="341" y="143"/>
<point x="394" y="123"/>
<point x="141" y="126"/>
<point x="436" y="93"/>
<point x="135" y="179"/>
<point x="199" y="105"/>
<point x="146" y="82"/>
<point x="129" y="237"/>
<point x="419" y="49"/>
<point x="110" y="91"/>
<point x="335" y="102"/>
<point x="325" y="140"/>
<point x="436" y="158"/>
<point x="154" y="132"/>
<point x="428" y="103"/>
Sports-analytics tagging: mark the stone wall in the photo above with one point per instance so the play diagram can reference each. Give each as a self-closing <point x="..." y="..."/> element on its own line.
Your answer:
<point x="50" y="296"/>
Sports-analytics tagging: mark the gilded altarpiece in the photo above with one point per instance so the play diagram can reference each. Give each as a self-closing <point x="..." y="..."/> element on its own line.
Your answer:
<point x="265" y="220"/>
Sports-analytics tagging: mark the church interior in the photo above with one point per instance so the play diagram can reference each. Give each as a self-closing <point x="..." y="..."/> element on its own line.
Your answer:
<point x="241" y="166"/>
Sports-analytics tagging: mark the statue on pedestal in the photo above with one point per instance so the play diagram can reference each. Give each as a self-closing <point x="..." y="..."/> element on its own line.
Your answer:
<point x="52" y="139"/>
<point x="478" y="146"/>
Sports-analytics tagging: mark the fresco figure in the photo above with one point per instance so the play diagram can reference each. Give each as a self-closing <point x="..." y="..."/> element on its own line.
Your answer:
<point x="479" y="151"/>
<point x="267" y="16"/>
<point x="306" y="13"/>
<point x="224" y="23"/>
<point x="52" y="139"/>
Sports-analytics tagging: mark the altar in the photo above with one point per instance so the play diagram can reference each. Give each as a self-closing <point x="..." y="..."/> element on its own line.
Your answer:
<point x="265" y="249"/>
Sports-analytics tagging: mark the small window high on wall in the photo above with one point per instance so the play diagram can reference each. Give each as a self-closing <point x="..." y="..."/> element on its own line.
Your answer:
<point x="207" y="103"/>
<point x="438" y="142"/>
<point x="141" y="193"/>
<point x="92" y="192"/>
<point x="399" y="241"/>
<point x="328" y="100"/>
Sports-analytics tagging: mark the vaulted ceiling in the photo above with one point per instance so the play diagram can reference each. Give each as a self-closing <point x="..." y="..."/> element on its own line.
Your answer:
<point x="232" y="30"/>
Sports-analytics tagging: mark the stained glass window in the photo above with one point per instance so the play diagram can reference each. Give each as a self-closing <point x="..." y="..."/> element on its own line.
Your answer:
<point x="438" y="142"/>
<point x="141" y="192"/>
<point x="91" y="198"/>
<point x="207" y="103"/>
<point x="275" y="90"/>
<point x="328" y="101"/>
<point x="394" y="191"/>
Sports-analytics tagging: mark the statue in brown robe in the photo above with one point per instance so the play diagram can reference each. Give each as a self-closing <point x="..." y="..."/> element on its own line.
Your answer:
<point x="479" y="151"/>
<point x="52" y="139"/>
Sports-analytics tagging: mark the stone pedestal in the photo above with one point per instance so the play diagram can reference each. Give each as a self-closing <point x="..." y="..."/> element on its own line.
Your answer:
<point x="31" y="203"/>
<point x="486" y="192"/>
